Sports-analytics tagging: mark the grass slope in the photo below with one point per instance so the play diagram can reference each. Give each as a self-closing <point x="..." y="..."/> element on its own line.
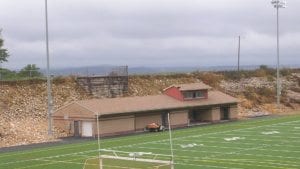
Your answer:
<point x="268" y="143"/>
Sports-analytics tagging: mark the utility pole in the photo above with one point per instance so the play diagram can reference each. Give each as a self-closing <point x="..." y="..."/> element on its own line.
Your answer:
<point x="50" y="102"/>
<point x="0" y="62"/>
<point x="278" y="4"/>
<point x="239" y="53"/>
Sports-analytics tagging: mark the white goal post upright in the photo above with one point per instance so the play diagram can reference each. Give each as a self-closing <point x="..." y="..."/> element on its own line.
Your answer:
<point x="98" y="135"/>
<point x="171" y="142"/>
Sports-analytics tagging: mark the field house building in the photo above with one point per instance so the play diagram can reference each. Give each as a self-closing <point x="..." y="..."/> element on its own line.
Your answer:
<point x="188" y="104"/>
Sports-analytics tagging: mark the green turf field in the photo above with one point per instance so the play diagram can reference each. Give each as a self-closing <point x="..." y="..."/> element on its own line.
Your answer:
<point x="267" y="143"/>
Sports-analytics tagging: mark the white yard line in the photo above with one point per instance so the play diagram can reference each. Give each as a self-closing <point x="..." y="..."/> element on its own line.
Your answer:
<point x="200" y="135"/>
<point x="51" y="162"/>
<point x="261" y="135"/>
<point x="237" y="143"/>
<point x="285" y="125"/>
<point x="270" y="162"/>
<point x="222" y="153"/>
<point x="48" y="149"/>
<point x="233" y="147"/>
<point x="201" y="159"/>
<point x="242" y="163"/>
<point x="265" y="140"/>
<point x="210" y="166"/>
<point x="48" y="157"/>
<point x="285" y="132"/>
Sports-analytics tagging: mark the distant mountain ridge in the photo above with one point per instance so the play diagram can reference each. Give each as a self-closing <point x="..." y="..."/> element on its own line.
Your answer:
<point x="106" y="69"/>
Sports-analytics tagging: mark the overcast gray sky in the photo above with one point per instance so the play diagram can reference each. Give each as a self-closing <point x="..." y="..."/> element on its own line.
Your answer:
<point x="148" y="32"/>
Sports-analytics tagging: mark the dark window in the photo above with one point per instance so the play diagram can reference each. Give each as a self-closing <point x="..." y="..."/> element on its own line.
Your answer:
<point x="193" y="95"/>
<point x="188" y="95"/>
<point x="199" y="94"/>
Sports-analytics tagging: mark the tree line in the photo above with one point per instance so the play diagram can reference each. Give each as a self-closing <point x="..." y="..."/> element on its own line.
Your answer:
<point x="29" y="71"/>
<point x="3" y="52"/>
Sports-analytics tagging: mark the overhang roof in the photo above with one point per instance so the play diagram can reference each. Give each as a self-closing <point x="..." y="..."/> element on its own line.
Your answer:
<point x="110" y="106"/>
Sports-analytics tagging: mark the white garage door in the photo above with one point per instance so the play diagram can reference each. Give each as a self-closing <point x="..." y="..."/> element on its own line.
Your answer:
<point x="87" y="129"/>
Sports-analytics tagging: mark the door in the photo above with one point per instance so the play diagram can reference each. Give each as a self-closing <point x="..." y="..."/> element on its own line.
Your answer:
<point x="76" y="128"/>
<point x="192" y="116"/>
<point x="87" y="129"/>
<point x="164" y="119"/>
<point x="224" y="113"/>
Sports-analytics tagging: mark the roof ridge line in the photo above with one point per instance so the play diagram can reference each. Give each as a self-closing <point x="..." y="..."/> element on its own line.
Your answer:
<point x="96" y="113"/>
<point x="63" y="107"/>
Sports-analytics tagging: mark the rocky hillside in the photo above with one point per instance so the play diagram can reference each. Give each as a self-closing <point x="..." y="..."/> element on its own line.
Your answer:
<point x="23" y="108"/>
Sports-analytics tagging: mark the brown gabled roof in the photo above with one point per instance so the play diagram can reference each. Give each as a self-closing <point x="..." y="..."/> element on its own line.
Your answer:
<point x="190" y="86"/>
<point x="151" y="103"/>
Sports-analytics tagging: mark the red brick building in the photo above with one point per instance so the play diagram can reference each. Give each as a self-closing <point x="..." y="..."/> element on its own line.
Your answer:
<point x="188" y="104"/>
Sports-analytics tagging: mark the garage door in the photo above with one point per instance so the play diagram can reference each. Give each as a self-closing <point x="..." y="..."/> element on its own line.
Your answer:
<point x="87" y="129"/>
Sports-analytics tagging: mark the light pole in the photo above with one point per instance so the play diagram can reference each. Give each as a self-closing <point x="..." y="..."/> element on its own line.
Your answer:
<point x="48" y="74"/>
<point x="278" y="4"/>
<point x="239" y="52"/>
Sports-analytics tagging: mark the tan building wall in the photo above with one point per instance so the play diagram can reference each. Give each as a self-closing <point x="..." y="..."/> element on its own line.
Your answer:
<point x="64" y="125"/>
<point x="215" y="114"/>
<point x="67" y="125"/>
<point x="65" y="117"/>
<point x="179" y="118"/>
<point x="116" y="125"/>
<point x="204" y="115"/>
<point x="142" y="120"/>
<point x="233" y="112"/>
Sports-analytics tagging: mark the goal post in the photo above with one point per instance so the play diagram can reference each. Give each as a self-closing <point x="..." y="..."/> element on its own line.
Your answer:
<point x="160" y="161"/>
<point x="111" y="159"/>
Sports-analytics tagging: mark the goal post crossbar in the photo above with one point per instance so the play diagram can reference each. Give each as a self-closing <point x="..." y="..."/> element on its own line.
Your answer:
<point x="136" y="159"/>
<point x="116" y="152"/>
<point x="101" y="158"/>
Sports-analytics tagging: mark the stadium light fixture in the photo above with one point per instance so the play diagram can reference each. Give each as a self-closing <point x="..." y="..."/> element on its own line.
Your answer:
<point x="50" y="102"/>
<point x="278" y="4"/>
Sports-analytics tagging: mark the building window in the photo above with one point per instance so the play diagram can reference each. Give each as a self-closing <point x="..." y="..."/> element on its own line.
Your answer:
<point x="188" y="95"/>
<point x="193" y="95"/>
<point x="199" y="94"/>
